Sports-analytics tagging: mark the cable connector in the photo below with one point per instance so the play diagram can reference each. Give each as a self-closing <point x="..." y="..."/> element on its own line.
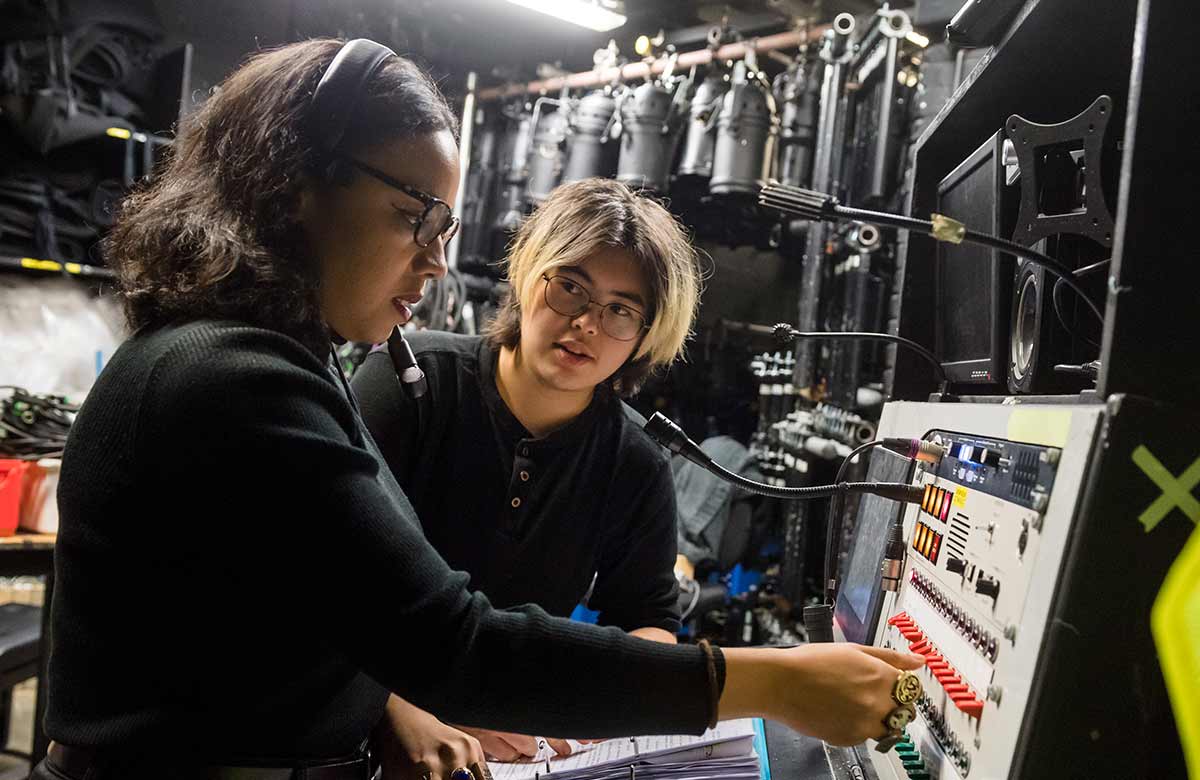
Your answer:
<point x="408" y="373"/>
<point x="916" y="449"/>
<point x="818" y="622"/>
<point x="892" y="568"/>
<point x="664" y="431"/>
<point x="1090" y="370"/>
<point x="947" y="229"/>
<point x="806" y="204"/>
<point x="912" y="494"/>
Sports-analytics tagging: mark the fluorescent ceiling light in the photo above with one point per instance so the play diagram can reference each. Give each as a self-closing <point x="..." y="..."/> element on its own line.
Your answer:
<point x="580" y="12"/>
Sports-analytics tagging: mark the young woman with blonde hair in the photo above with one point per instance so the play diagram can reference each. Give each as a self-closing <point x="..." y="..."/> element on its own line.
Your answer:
<point x="526" y="468"/>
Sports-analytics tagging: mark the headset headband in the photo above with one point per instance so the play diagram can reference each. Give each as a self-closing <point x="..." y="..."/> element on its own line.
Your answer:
<point x="338" y="91"/>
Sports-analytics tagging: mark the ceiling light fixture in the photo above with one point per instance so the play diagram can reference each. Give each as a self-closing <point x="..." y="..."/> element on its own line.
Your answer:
<point x="581" y="12"/>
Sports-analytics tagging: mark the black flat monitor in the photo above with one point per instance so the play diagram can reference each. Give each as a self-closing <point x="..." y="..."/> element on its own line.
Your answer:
<point x="860" y="596"/>
<point x="974" y="283"/>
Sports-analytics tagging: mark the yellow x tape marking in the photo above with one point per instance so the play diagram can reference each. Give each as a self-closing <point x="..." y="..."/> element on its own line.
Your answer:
<point x="1176" y="492"/>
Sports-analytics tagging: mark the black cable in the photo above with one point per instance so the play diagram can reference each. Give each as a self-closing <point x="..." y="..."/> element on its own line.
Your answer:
<point x="1056" y="267"/>
<point x="926" y="226"/>
<point x="671" y="436"/>
<point x="1063" y="273"/>
<point x="785" y="333"/>
<point x="808" y="493"/>
<point x="816" y="205"/>
<point x="817" y="618"/>
<point x="833" y="520"/>
<point x="1056" y="298"/>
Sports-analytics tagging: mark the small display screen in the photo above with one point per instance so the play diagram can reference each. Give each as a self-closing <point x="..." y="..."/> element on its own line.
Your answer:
<point x="972" y="291"/>
<point x="860" y="593"/>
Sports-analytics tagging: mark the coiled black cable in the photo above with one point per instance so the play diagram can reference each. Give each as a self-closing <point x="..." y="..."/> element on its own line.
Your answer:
<point x="33" y="426"/>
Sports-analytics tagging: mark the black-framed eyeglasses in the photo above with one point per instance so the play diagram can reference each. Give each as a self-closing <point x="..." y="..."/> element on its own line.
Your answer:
<point x="571" y="299"/>
<point x="436" y="220"/>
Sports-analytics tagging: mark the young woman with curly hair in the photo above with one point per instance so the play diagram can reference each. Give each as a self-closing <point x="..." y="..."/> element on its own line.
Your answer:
<point x="242" y="589"/>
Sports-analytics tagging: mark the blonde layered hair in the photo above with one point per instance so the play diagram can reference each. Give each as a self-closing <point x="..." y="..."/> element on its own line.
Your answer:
<point x="578" y="221"/>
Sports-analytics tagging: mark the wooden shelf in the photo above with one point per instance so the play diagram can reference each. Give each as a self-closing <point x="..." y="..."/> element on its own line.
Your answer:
<point x="28" y="540"/>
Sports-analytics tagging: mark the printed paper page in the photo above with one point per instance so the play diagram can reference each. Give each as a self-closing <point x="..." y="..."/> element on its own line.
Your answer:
<point x="624" y="751"/>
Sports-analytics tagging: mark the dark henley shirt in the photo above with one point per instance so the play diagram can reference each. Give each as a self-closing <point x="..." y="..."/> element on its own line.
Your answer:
<point x="530" y="519"/>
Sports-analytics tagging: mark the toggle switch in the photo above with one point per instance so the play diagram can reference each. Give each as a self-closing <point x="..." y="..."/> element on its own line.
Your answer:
<point x="988" y="586"/>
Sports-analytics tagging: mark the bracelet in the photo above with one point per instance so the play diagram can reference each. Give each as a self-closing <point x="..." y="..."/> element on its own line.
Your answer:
<point x="713" y="694"/>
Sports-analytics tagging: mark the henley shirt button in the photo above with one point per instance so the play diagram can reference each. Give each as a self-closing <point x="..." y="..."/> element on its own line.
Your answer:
<point x="524" y="476"/>
<point x="516" y="502"/>
<point x="524" y="452"/>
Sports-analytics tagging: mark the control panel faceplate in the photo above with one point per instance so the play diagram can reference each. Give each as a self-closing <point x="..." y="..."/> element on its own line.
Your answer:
<point x="971" y="596"/>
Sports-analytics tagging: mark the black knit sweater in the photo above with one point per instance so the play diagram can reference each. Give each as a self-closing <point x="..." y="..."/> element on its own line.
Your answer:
<point x="239" y="578"/>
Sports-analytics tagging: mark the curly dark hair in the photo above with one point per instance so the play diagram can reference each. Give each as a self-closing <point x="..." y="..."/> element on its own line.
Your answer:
<point x="216" y="233"/>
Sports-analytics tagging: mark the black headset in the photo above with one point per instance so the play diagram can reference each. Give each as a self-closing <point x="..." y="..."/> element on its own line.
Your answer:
<point x="337" y="95"/>
<point x="333" y="104"/>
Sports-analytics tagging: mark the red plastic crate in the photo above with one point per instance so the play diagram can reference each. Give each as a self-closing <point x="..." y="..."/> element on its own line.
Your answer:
<point x="12" y="481"/>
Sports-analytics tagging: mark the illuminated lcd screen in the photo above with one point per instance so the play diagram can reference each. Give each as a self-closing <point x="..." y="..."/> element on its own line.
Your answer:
<point x="861" y="594"/>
